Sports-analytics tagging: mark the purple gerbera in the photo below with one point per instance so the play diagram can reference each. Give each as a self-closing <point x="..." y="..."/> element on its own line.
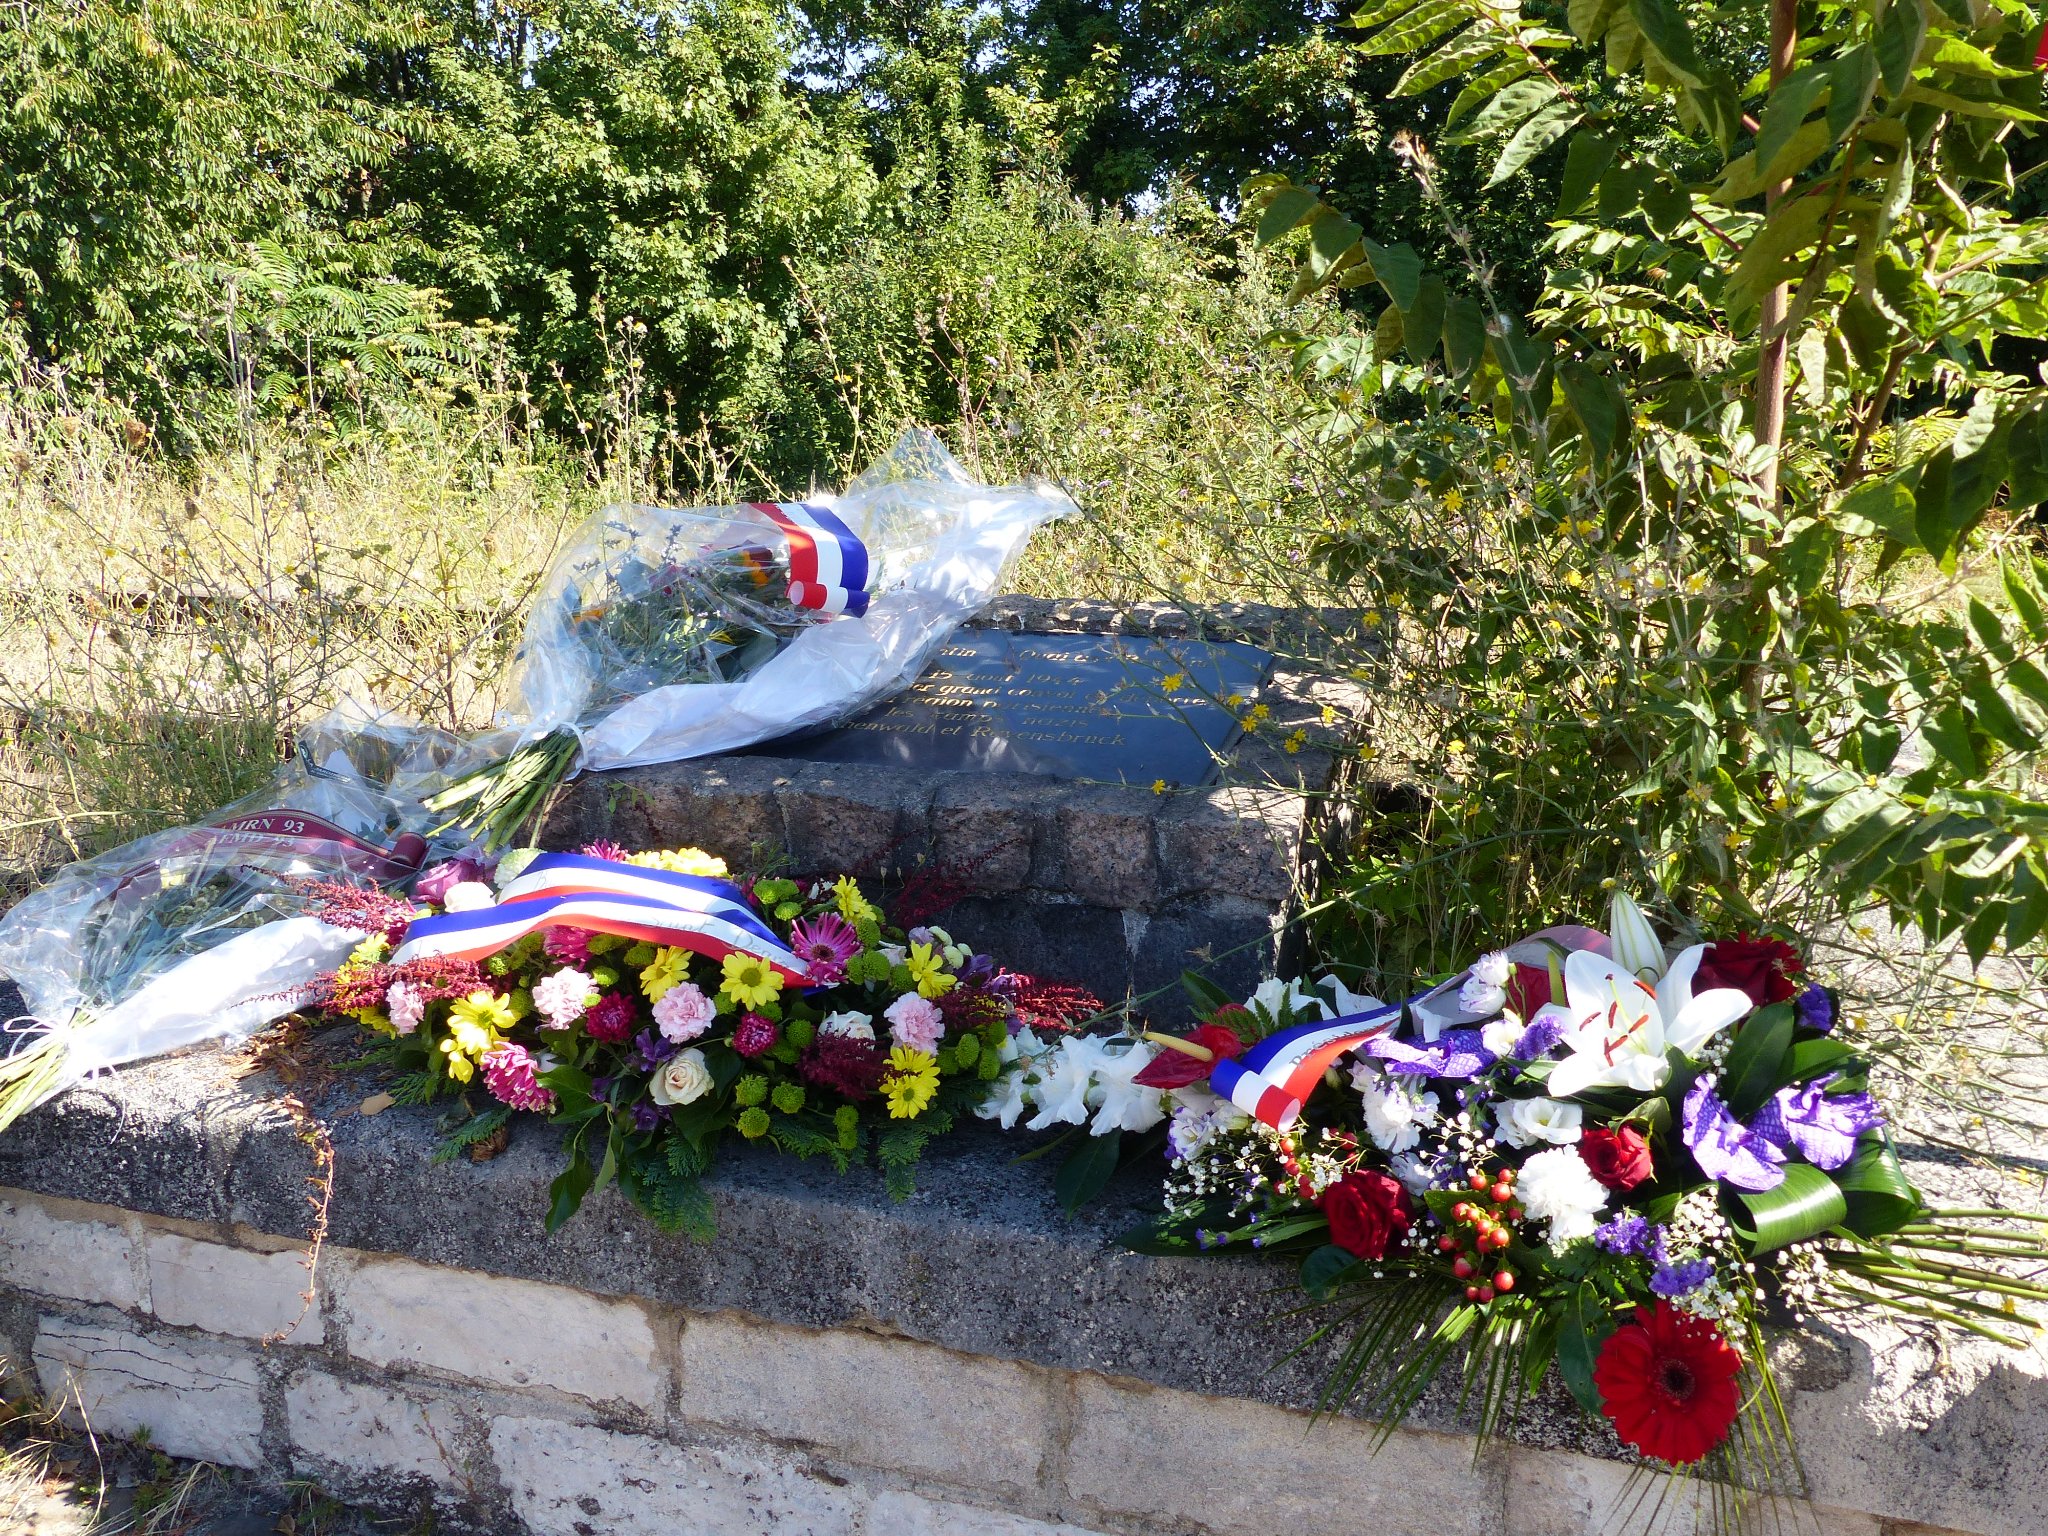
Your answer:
<point x="825" y="943"/>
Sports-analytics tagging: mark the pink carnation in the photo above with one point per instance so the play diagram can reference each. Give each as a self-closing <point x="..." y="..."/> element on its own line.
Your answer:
<point x="915" y="1022"/>
<point x="683" y="1012"/>
<point x="509" y="1072"/>
<point x="560" y="998"/>
<point x="406" y="1005"/>
<point x="610" y="1019"/>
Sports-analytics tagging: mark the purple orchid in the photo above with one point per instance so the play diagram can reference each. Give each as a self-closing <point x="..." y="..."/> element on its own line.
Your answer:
<point x="1726" y="1150"/>
<point x="1457" y="1054"/>
<point x="654" y="1049"/>
<point x="1823" y="1126"/>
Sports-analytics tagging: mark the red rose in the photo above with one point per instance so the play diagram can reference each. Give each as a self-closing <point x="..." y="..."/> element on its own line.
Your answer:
<point x="1763" y="968"/>
<point x="1619" y="1159"/>
<point x="1367" y="1210"/>
<point x="1176" y="1069"/>
<point x="1529" y="989"/>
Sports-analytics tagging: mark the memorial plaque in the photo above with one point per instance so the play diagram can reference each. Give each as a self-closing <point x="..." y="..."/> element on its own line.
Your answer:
<point x="1103" y="707"/>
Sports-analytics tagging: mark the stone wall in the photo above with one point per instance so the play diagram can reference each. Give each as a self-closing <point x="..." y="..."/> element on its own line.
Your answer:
<point x="1114" y="887"/>
<point x="968" y="1361"/>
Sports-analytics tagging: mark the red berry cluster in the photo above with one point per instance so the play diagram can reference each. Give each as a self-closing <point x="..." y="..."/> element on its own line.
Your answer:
<point x="1481" y="1232"/>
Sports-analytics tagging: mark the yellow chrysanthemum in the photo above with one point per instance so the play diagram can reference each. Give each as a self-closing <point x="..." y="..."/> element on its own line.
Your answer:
<point x="374" y="950"/>
<point x="669" y="969"/>
<point x="911" y="1083"/>
<point x="927" y="972"/>
<point x="460" y="1067"/>
<point x="376" y="1020"/>
<point x="474" y="1027"/>
<point x="682" y="861"/>
<point x="853" y="906"/>
<point x="750" y="981"/>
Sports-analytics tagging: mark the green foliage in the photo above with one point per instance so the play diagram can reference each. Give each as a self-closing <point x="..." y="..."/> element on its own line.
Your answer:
<point x="1716" y="635"/>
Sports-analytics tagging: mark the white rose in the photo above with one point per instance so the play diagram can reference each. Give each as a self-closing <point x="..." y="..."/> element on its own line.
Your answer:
<point x="684" y="1079"/>
<point x="468" y="896"/>
<point x="854" y="1026"/>
<point x="1524" y="1122"/>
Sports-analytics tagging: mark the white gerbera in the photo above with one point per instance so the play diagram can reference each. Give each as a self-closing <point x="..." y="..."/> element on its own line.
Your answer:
<point x="1557" y="1187"/>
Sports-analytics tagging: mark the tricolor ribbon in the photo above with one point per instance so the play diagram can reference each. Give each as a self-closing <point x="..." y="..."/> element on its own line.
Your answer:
<point x="564" y="890"/>
<point x="828" y="564"/>
<point x="1271" y="1081"/>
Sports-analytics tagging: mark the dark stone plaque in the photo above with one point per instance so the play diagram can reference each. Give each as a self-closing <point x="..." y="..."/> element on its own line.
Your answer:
<point x="1103" y="707"/>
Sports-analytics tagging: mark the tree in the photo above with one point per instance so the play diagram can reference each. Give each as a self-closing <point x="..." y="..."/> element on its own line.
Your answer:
<point x="1770" y="376"/>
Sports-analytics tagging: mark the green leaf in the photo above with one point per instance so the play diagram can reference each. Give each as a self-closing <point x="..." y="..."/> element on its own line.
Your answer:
<point x="1664" y="29"/>
<point x="1206" y="996"/>
<point x="1947" y="731"/>
<point x="1804" y="1206"/>
<point x="1786" y="110"/>
<point x="1510" y="108"/>
<point x="1087" y="1171"/>
<point x="1878" y="1197"/>
<point x="1969" y="59"/>
<point x="1886" y="505"/>
<point x="565" y="1194"/>
<point x="1423" y="323"/>
<point x="2025" y="597"/>
<point x="1578" y="1348"/>
<point x="1897" y="40"/>
<point x="1398" y="269"/>
<point x="1419" y="28"/>
<point x="1852" y="80"/>
<point x="1755" y="1068"/>
<point x="1457" y="57"/>
<point x="1588" y="155"/>
<point x="1589" y="18"/>
<point x="1666" y="204"/>
<point x="1532" y="138"/>
<point x="1953" y="495"/>
<point x="1387" y="334"/>
<point x="1284" y="209"/>
<point x="1326" y="1268"/>
<point x="1464" y="334"/>
<point x="1597" y="400"/>
<point x="1477" y="93"/>
<point x="1995" y="714"/>
<point x="1816" y="1058"/>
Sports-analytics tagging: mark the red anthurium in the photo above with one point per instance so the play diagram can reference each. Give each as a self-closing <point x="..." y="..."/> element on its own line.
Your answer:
<point x="1176" y="1069"/>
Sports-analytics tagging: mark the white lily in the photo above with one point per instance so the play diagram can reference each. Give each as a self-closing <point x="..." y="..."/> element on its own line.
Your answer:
<point x="1636" y="945"/>
<point x="1620" y="1029"/>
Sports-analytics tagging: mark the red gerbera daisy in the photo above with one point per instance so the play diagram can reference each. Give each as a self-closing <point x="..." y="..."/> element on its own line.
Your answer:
<point x="1668" y="1381"/>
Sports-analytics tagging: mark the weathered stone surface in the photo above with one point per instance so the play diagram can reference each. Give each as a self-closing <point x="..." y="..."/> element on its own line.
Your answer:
<point x="1133" y="1448"/>
<point x="1103" y="837"/>
<point x="1058" y="940"/>
<point x="576" y="1480"/>
<point x="725" y="805"/>
<point x="900" y="1513"/>
<point x="994" y="830"/>
<point x="52" y="1249"/>
<point x="851" y="816"/>
<point x="195" y="1399"/>
<point x="886" y="1402"/>
<point x="488" y="1329"/>
<point x="1230" y="940"/>
<point x="1233" y="840"/>
<point x="231" y="1290"/>
<point x="369" y="1435"/>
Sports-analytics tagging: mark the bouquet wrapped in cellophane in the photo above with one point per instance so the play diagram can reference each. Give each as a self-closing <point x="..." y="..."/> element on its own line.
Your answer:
<point x="664" y="633"/>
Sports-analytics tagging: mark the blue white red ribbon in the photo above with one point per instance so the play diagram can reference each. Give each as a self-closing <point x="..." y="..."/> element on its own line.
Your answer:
<point x="566" y="890"/>
<point x="828" y="564"/>
<point x="1271" y="1081"/>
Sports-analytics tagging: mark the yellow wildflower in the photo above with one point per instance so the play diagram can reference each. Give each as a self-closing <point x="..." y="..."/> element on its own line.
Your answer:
<point x="374" y="950"/>
<point x="1454" y="499"/>
<point x="682" y="861"/>
<point x="1294" y="742"/>
<point x="1159" y="786"/>
<point x="927" y="971"/>
<point x="1172" y="682"/>
<point x="664" y="973"/>
<point x="853" y="906"/>
<point x="911" y="1083"/>
<point x="751" y="981"/>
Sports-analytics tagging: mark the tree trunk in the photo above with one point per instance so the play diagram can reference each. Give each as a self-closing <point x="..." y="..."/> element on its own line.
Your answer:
<point x="1770" y="365"/>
